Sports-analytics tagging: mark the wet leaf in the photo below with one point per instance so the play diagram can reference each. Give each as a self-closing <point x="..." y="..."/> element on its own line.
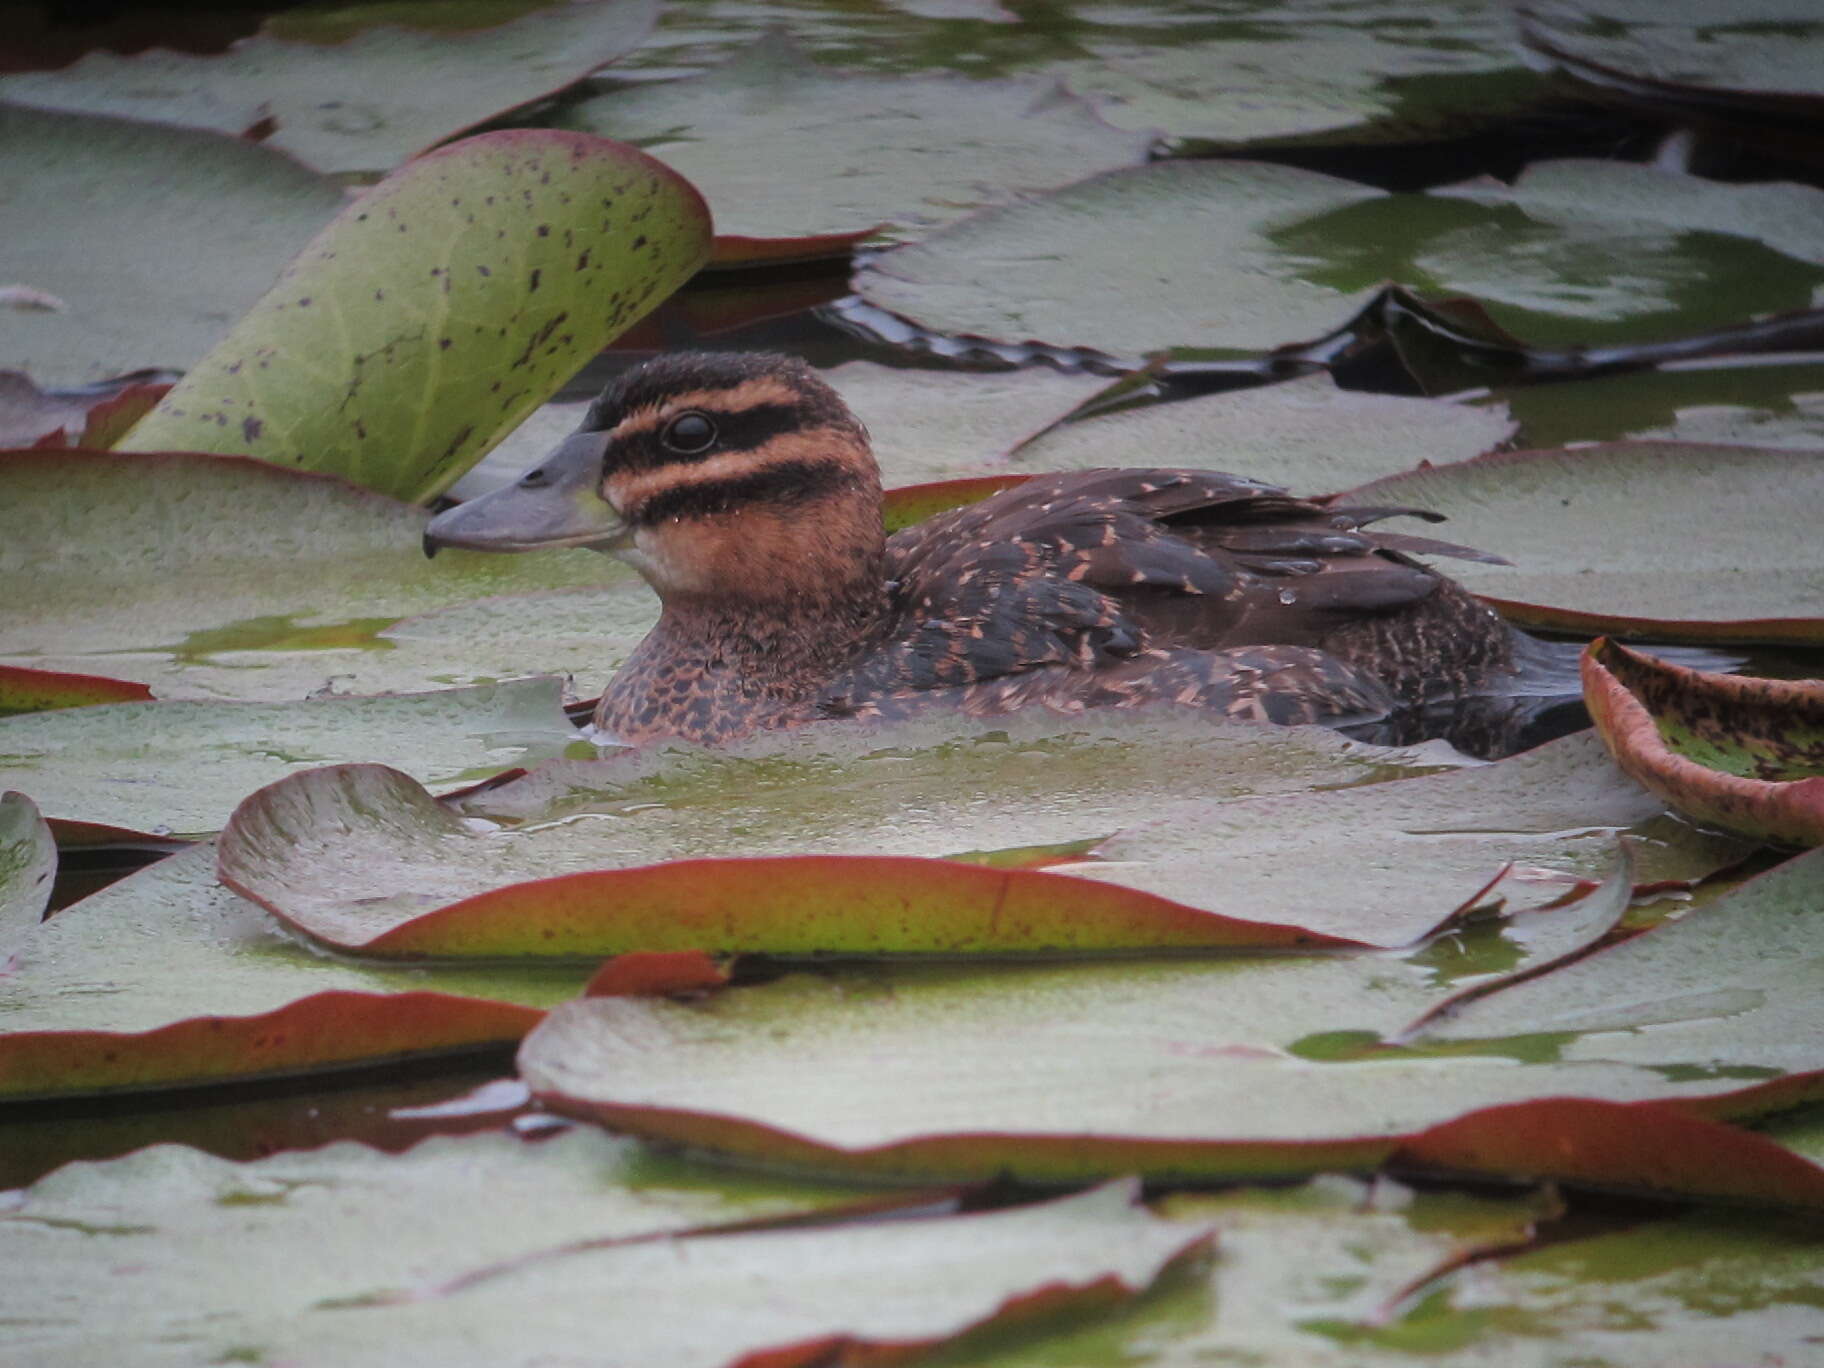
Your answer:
<point x="783" y="148"/>
<point x="181" y="766"/>
<point x="28" y="866"/>
<point x="912" y="504"/>
<point x="1249" y="256"/>
<point x="1743" y="754"/>
<point x="590" y="834"/>
<point x="155" y="238"/>
<point x="1725" y="992"/>
<point x="1305" y="434"/>
<point x="365" y="103"/>
<point x="166" y="979"/>
<point x="25" y="690"/>
<point x="574" y="1223"/>
<point x="211" y="576"/>
<point x="1601" y="537"/>
<point x="233" y="1255"/>
<point x="439" y="309"/>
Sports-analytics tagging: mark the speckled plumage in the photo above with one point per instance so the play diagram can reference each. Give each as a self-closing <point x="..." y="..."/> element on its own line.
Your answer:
<point x="783" y="601"/>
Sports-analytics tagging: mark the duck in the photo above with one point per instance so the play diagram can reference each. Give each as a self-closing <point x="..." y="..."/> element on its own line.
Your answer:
<point x="746" y="494"/>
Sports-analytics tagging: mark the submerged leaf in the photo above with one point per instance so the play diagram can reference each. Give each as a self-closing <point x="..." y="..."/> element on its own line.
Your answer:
<point x="1743" y="754"/>
<point x="439" y="309"/>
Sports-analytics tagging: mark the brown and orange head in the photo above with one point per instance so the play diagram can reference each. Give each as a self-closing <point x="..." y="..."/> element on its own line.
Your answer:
<point x="718" y="476"/>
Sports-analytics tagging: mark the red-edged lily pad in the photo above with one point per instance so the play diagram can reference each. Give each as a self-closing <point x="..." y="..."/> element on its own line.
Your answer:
<point x="1743" y="754"/>
<point x="1667" y="540"/>
<point x="24" y="690"/>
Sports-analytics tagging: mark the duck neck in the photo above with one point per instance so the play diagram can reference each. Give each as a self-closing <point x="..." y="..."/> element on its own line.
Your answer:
<point x="715" y="668"/>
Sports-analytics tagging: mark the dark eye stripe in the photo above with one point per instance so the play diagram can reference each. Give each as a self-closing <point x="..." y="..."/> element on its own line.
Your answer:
<point x="782" y="483"/>
<point x="746" y="429"/>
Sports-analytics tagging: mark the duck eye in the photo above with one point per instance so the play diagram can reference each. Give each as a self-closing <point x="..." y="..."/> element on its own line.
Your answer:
<point x="689" y="434"/>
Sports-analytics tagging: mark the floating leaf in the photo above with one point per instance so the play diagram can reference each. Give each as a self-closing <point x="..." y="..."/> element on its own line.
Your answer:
<point x="28" y="866"/>
<point x="155" y="238"/>
<point x="211" y="576"/>
<point x="166" y="979"/>
<point x="1589" y="533"/>
<point x="23" y="690"/>
<point x="1743" y="754"/>
<point x="365" y="103"/>
<point x="1247" y="256"/>
<point x="181" y="766"/>
<point x="1305" y="434"/>
<point x="585" y="1251"/>
<point x="782" y="148"/>
<point x="591" y="834"/>
<point x="439" y="309"/>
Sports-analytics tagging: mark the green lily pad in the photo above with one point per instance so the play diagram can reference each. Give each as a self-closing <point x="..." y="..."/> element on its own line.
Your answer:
<point x="852" y="793"/>
<point x="154" y="238"/>
<point x="783" y="148"/>
<point x="1211" y="275"/>
<point x="1246" y="257"/>
<point x="210" y="576"/>
<point x="1725" y="992"/>
<point x="439" y="309"/>
<point x="166" y="979"/>
<point x="1590" y="532"/>
<point x="28" y="866"/>
<point x="180" y="766"/>
<point x="23" y="690"/>
<point x="574" y="1261"/>
<point x="1306" y="71"/>
<point x="1305" y="434"/>
<point x="1743" y="754"/>
<point x="363" y="104"/>
<point x="1768" y="48"/>
<point x="1754" y="401"/>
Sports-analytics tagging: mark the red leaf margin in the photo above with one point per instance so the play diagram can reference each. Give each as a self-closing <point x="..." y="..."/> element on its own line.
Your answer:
<point x="24" y="690"/>
<point x="340" y="1029"/>
<point x="1791" y="812"/>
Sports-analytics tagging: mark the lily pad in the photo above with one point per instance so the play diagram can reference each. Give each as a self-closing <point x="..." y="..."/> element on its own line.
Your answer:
<point x="28" y="865"/>
<point x="1743" y="754"/>
<point x="439" y="309"/>
<point x="180" y="767"/>
<point x="1211" y="275"/>
<point x="211" y="576"/>
<point x="1305" y="434"/>
<point x="782" y="148"/>
<point x="1245" y="256"/>
<point x="23" y="690"/>
<point x="591" y="834"/>
<point x="166" y="979"/>
<point x="154" y="238"/>
<point x="1592" y="534"/>
<point x="575" y="1261"/>
<point x="363" y="104"/>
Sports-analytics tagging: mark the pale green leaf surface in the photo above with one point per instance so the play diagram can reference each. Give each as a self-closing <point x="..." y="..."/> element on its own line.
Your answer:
<point x="210" y="577"/>
<point x="552" y="1272"/>
<point x="1763" y="46"/>
<point x="782" y="148"/>
<point x="1305" y="434"/>
<point x="365" y="104"/>
<point x="439" y="309"/>
<point x="181" y="766"/>
<point x="1649" y="532"/>
<point x="367" y="851"/>
<point x="230" y="1257"/>
<point x="28" y="866"/>
<point x="154" y="238"/>
<point x="170" y="944"/>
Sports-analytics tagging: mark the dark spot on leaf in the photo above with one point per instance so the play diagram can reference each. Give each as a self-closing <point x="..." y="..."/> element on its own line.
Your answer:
<point x="532" y="283"/>
<point x="544" y="230"/>
<point x="304" y="303"/>
<point x="250" y="428"/>
<point x="582" y="262"/>
<point x="639" y="242"/>
<point x="443" y="344"/>
<point x="379" y="294"/>
<point x="360" y="429"/>
<point x="483" y="270"/>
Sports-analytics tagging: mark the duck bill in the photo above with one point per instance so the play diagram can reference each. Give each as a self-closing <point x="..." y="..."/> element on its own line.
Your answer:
<point x="556" y="503"/>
